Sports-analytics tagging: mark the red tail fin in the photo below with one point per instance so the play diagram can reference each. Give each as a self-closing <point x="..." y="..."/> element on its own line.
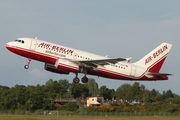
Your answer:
<point x="155" y="59"/>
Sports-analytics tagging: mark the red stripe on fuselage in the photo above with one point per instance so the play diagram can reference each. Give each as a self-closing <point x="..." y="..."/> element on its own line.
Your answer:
<point x="32" y="54"/>
<point x="68" y="68"/>
<point x="103" y="72"/>
<point x="116" y="75"/>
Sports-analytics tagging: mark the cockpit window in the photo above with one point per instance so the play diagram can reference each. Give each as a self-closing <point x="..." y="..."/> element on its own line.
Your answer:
<point x="21" y="41"/>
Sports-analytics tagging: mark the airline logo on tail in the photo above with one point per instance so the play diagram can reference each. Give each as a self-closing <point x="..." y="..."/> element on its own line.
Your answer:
<point x="156" y="54"/>
<point x="154" y="60"/>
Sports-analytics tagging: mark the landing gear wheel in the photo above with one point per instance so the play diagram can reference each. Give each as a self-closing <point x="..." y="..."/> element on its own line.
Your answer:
<point x="84" y="79"/>
<point x="26" y="66"/>
<point x="28" y="62"/>
<point x="76" y="80"/>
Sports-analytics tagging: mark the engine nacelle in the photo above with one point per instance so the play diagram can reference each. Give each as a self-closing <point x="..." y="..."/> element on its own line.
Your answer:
<point x="66" y="65"/>
<point x="52" y="68"/>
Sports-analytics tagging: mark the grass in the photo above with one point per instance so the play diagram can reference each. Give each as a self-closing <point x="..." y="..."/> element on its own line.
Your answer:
<point x="49" y="117"/>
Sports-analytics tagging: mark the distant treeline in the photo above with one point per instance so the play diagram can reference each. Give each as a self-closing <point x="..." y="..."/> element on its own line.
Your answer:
<point x="42" y="97"/>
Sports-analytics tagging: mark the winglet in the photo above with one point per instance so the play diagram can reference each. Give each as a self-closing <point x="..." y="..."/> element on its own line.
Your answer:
<point x="128" y="59"/>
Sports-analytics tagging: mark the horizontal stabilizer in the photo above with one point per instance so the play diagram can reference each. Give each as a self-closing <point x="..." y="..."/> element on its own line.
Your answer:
<point x="159" y="74"/>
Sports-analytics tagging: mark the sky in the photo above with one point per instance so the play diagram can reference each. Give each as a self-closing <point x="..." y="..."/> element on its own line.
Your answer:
<point x="117" y="28"/>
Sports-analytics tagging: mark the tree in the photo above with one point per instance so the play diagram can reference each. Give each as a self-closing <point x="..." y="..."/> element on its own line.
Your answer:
<point x="36" y="99"/>
<point x="20" y="96"/>
<point x="42" y="96"/>
<point x="3" y="88"/>
<point x="169" y="94"/>
<point x="93" y="87"/>
<point x="106" y="93"/>
<point x="64" y="85"/>
<point x="79" y="90"/>
<point x="151" y="96"/>
<point x="72" y="106"/>
<point x="49" y="82"/>
<point x="136" y="91"/>
<point x="124" y="92"/>
<point x="56" y="89"/>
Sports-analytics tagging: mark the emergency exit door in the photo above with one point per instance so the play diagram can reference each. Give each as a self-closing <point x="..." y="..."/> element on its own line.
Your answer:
<point x="133" y="70"/>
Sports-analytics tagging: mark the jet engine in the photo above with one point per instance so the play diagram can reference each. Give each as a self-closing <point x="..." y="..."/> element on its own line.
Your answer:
<point x="52" y="68"/>
<point x="67" y="65"/>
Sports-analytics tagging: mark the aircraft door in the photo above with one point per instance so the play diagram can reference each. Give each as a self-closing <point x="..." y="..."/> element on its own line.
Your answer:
<point x="133" y="70"/>
<point x="33" y="44"/>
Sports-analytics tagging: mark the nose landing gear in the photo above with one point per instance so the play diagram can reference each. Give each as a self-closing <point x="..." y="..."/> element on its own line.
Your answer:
<point x="27" y="66"/>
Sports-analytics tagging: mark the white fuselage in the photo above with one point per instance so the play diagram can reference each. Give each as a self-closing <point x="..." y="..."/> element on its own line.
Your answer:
<point x="49" y="53"/>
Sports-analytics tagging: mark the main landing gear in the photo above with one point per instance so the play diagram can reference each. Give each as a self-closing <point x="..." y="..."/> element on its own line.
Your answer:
<point x="76" y="80"/>
<point x="83" y="80"/>
<point x="27" y="66"/>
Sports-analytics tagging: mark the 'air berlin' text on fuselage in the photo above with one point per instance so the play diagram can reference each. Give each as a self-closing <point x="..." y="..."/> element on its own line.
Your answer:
<point x="55" y="48"/>
<point x="156" y="54"/>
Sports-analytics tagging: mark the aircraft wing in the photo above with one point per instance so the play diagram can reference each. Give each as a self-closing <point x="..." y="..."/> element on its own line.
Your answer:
<point x="95" y="63"/>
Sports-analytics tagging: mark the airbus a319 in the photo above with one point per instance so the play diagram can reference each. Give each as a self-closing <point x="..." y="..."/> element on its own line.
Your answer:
<point x="63" y="60"/>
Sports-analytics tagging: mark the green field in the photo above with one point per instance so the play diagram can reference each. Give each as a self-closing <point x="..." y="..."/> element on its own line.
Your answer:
<point x="41" y="117"/>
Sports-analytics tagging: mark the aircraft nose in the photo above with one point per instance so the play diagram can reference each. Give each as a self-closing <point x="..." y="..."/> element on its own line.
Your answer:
<point x="8" y="45"/>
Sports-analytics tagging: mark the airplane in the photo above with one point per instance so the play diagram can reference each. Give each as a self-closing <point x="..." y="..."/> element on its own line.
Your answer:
<point x="63" y="60"/>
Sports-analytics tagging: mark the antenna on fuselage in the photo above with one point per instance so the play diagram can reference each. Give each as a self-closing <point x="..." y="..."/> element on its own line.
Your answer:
<point x="35" y="37"/>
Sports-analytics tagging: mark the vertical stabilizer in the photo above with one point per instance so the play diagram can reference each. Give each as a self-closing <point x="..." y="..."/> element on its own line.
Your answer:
<point x="154" y="60"/>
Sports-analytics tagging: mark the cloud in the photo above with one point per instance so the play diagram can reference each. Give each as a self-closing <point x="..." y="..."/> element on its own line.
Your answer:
<point x="36" y="73"/>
